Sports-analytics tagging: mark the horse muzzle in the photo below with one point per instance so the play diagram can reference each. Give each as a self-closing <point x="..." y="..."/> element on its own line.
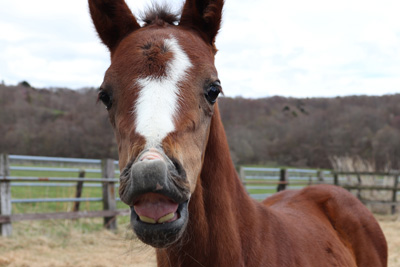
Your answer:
<point x="157" y="190"/>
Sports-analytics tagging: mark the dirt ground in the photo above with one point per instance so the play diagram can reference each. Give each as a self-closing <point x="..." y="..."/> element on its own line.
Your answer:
<point x="391" y="229"/>
<point x="71" y="246"/>
<point x="64" y="244"/>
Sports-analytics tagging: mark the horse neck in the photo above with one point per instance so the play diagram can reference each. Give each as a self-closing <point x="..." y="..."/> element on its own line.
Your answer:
<point x="218" y="211"/>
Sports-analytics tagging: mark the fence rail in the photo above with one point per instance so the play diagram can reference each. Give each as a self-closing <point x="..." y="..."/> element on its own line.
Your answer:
<point x="59" y="179"/>
<point x="259" y="182"/>
<point x="57" y="159"/>
<point x="48" y="184"/>
<point x="21" y="168"/>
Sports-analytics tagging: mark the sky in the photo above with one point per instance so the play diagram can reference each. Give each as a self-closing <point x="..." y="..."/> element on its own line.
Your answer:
<point x="308" y="48"/>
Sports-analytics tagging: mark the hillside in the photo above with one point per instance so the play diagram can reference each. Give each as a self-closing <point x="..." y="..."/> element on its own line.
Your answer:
<point x="276" y="130"/>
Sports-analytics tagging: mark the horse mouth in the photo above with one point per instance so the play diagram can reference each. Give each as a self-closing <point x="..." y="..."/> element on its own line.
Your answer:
<point x="158" y="220"/>
<point x="155" y="208"/>
<point x="157" y="190"/>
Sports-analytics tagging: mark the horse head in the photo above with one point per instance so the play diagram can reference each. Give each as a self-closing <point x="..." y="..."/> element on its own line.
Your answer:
<point x="160" y="92"/>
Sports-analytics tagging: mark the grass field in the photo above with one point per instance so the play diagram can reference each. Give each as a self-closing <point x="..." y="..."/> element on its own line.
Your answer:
<point x="83" y="242"/>
<point x="73" y="243"/>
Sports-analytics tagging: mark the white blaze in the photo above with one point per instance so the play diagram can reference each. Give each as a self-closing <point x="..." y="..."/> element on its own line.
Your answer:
<point x="157" y="103"/>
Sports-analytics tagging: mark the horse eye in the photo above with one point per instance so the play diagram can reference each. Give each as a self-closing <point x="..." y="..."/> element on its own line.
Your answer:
<point x="213" y="92"/>
<point x="105" y="98"/>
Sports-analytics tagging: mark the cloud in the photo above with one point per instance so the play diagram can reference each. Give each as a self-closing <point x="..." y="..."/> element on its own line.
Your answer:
<point x="50" y="44"/>
<point x="310" y="48"/>
<point x="290" y="48"/>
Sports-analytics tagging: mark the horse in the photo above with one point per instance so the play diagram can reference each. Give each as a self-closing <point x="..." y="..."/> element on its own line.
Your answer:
<point x="177" y="176"/>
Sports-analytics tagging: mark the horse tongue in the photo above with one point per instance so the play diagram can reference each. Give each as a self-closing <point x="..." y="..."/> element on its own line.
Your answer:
<point x="153" y="208"/>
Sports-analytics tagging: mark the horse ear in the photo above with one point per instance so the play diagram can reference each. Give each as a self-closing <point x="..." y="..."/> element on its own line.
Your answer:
<point x="203" y="16"/>
<point x="113" y="21"/>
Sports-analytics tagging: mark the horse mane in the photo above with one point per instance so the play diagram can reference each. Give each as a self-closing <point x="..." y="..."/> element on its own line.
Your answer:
<point x="160" y="14"/>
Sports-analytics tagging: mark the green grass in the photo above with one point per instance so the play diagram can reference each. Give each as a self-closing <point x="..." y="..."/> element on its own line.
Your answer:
<point x="30" y="192"/>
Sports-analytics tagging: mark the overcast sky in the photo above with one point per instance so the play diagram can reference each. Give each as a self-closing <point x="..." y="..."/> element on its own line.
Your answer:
<point x="308" y="48"/>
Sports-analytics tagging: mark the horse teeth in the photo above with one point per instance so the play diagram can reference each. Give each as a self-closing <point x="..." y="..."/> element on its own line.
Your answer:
<point x="147" y="219"/>
<point x="166" y="218"/>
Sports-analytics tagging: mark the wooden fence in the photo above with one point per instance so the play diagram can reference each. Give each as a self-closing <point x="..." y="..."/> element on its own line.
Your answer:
<point x="282" y="179"/>
<point x="259" y="182"/>
<point x="358" y="186"/>
<point x="108" y="199"/>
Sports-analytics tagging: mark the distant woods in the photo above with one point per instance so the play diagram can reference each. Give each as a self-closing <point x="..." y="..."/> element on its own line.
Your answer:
<point x="58" y="122"/>
<point x="274" y="131"/>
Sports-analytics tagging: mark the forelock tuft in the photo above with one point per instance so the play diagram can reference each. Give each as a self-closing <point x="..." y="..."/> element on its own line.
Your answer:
<point x="160" y="14"/>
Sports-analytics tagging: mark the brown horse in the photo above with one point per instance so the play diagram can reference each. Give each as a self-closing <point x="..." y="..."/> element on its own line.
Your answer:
<point x="177" y="175"/>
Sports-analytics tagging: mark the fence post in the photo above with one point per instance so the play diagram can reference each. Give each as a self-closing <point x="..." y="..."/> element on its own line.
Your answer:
<point x="359" y="184"/>
<point x="79" y="187"/>
<point x="5" y="195"/>
<point x="109" y="202"/>
<point x="394" y="197"/>
<point x="336" y="178"/>
<point x="283" y="179"/>
<point x="320" y="176"/>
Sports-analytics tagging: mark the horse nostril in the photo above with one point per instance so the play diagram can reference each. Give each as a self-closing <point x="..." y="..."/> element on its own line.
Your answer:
<point x="179" y="168"/>
<point x="176" y="165"/>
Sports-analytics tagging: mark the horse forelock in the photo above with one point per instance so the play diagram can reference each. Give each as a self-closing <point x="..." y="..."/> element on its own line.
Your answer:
<point x="160" y="14"/>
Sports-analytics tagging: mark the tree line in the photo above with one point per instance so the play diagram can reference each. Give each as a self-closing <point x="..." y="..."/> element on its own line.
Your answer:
<point x="274" y="131"/>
